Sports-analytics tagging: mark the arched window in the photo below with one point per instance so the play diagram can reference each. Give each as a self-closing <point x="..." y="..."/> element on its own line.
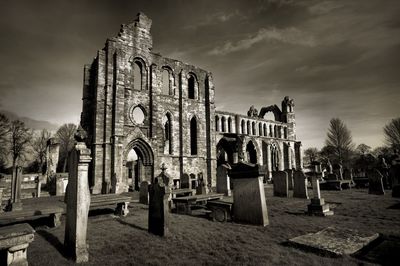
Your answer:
<point x="229" y="125"/>
<point x="248" y="128"/>
<point x="223" y="120"/>
<point x="167" y="134"/>
<point x="251" y="153"/>
<point x="253" y="128"/>
<point x="265" y="130"/>
<point x="285" y="135"/>
<point x="260" y="129"/>
<point x="137" y="75"/>
<point x="193" y="136"/>
<point x="243" y="127"/>
<point x="216" y="123"/>
<point x="191" y="87"/>
<point x="275" y="132"/>
<point x="166" y="82"/>
<point x="137" y="115"/>
<point x="270" y="131"/>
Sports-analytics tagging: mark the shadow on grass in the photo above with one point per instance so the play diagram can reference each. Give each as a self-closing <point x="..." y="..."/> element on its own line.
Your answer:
<point x="384" y="250"/>
<point x="131" y="225"/>
<point x="54" y="241"/>
<point x="102" y="211"/>
<point x="297" y="213"/>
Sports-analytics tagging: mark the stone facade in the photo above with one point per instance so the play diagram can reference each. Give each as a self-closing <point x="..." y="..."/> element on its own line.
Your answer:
<point x="141" y="110"/>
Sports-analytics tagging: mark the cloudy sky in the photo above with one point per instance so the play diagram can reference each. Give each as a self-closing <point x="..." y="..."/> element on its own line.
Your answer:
<point x="335" y="58"/>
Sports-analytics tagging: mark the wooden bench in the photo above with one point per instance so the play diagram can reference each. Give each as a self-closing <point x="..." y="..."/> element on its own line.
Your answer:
<point x="184" y="204"/>
<point x="103" y="200"/>
<point x="31" y="213"/>
<point x="221" y="211"/>
<point x="14" y="242"/>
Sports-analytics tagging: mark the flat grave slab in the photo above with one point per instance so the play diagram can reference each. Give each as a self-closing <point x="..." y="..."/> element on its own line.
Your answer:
<point x="334" y="241"/>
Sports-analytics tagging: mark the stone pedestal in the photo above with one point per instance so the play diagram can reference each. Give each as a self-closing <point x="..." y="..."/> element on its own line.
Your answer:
<point x="144" y="193"/>
<point x="14" y="242"/>
<point x="300" y="185"/>
<point x="158" y="209"/>
<point x="318" y="206"/>
<point x="223" y="180"/>
<point x="281" y="186"/>
<point x="78" y="202"/>
<point x="249" y="204"/>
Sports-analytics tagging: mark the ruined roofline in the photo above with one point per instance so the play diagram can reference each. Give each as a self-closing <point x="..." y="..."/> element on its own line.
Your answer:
<point x="244" y="116"/>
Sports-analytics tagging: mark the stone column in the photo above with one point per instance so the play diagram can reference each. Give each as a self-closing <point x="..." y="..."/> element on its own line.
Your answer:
<point x="15" y="202"/>
<point x="78" y="202"/>
<point x="281" y="158"/>
<point x="269" y="161"/>
<point x="289" y="156"/>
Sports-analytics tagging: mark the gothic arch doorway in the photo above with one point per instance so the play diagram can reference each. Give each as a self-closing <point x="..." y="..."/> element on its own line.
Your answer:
<point x="251" y="152"/>
<point x="139" y="163"/>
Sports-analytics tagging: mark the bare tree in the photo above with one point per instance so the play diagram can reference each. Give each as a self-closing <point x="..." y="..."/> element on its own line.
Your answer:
<point x="39" y="146"/>
<point x="363" y="149"/>
<point x="65" y="135"/>
<point x="339" y="138"/>
<point x="392" y="133"/>
<point x="19" y="142"/>
<point x="4" y="132"/>
<point x="311" y="154"/>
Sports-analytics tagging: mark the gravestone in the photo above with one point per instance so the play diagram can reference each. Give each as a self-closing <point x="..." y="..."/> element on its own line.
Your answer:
<point x="394" y="175"/>
<point x="158" y="208"/>
<point x="249" y="205"/>
<point x="375" y="180"/>
<point x="78" y="202"/>
<point x="338" y="170"/>
<point x="15" y="203"/>
<point x="281" y="186"/>
<point x="300" y="185"/>
<point x="318" y="206"/>
<point x="185" y="181"/>
<point x="290" y="174"/>
<point x="38" y="186"/>
<point x="144" y="192"/>
<point x="223" y="181"/>
<point x="331" y="177"/>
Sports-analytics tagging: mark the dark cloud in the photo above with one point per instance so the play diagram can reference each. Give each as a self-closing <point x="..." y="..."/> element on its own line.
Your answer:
<point x="335" y="58"/>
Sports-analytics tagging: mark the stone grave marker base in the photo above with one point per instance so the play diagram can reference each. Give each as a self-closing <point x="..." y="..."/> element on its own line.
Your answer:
<point x="334" y="241"/>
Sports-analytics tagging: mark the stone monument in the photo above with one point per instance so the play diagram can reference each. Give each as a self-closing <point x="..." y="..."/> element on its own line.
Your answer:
<point x="318" y="206"/>
<point x="144" y="192"/>
<point x="78" y="202"/>
<point x="158" y="204"/>
<point x="15" y="203"/>
<point x="223" y="180"/>
<point x="281" y="186"/>
<point x="249" y="205"/>
<point x="375" y="180"/>
<point x="300" y="185"/>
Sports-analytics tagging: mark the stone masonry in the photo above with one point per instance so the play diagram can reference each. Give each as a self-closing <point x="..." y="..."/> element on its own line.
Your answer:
<point x="162" y="109"/>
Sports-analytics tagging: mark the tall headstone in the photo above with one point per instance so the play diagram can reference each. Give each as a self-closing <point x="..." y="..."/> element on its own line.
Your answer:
<point x="158" y="205"/>
<point x="78" y="202"/>
<point x="144" y="192"/>
<point x="52" y="154"/>
<point x="248" y="194"/>
<point x="375" y="180"/>
<point x="300" y="185"/>
<point x="317" y="206"/>
<point x="281" y="186"/>
<point x="15" y="201"/>
<point x="223" y="181"/>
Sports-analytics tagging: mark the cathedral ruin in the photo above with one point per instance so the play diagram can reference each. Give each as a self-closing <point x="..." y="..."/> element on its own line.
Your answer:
<point x="142" y="110"/>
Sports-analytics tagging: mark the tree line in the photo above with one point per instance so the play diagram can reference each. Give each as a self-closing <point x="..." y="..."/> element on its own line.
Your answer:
<point x="339" y="146"/>
<point x="22" y="146"/>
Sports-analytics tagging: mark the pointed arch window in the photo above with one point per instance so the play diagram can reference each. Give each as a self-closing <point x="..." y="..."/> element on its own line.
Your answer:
<point x="191" y="87"/>
<point x="223" y="120"/>
<point x="229" y="125"/>
<point x="193" y="136"/>
<point x="167" y="130"/>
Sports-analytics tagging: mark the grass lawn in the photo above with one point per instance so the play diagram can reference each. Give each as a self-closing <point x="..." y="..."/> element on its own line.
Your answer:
<point x="195" y="240"/>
